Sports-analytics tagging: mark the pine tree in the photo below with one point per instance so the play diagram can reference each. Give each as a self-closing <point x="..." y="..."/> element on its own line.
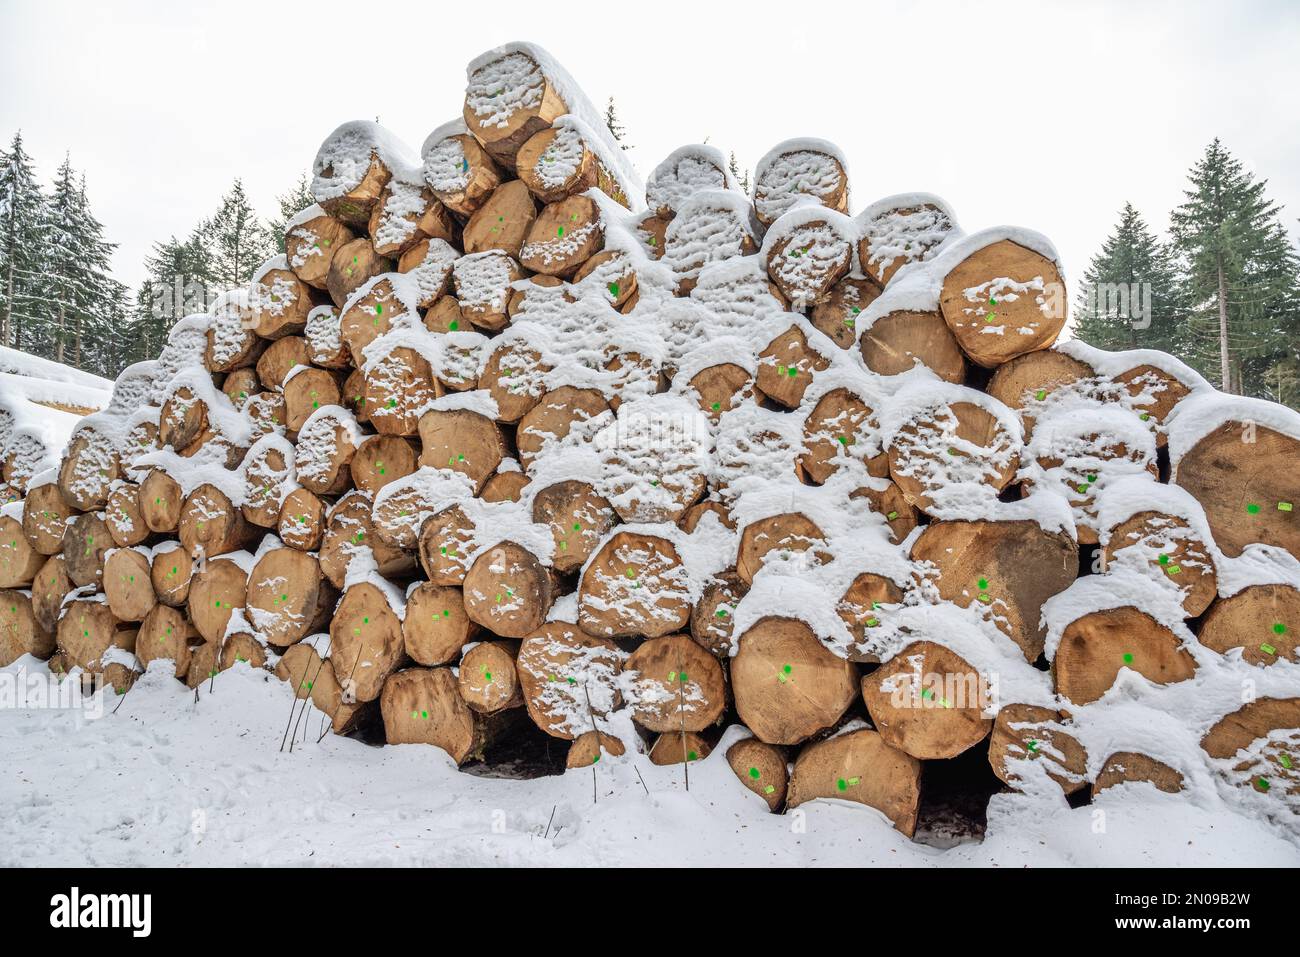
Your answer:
<point x="1241" y="280"/>
<point x="77" y="272"/>
<point x="236" y="239"/>
<point x="293" y="202"/>
<point x="616" y="128"/>
<point x="1148" y="312"/>
<point x="740" y="177"/>
<point x="22" y="217"/>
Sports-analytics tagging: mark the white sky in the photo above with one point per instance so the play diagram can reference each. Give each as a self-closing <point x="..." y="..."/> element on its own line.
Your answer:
<point x="1042" y="114"/>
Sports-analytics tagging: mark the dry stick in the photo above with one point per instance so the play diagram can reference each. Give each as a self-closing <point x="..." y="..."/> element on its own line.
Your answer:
<point x="345" y="686"/>
<point x="590" y="714"/>
<point x="305" y="706"/>
<point x="681" y="713"/>
<point x="293" y="706"/>
<point x="641" y="779"/>
<point x="548" y="823"/>
<point x="125" y="693"/>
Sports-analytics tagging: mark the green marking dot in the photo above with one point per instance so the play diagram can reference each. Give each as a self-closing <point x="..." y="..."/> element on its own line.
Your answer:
<point x="1033" y="745"/>
<point x="1252" y="509"/>
<point x="691" y="756"/>
<point x="1268" y="649"/>
<point x="842" y="784"/>
<point x="891" y="516"/>
<point x="717" y="406"/>
<point x="613" y="289"/>
<point x="1128" y="659"/>
<point x="630" y="573"/>
<point x="754" y="773"/>
<point x="1279" y="628"/>
<point x="769" y="789"/>
<point x="1040" y="395"/>
<point x="1164" y="559"/>
<point x="1262" y="784"/>
<point x="984" y="584"/>
<point x="1285" y="760"/>
<point x="453" y="325"/>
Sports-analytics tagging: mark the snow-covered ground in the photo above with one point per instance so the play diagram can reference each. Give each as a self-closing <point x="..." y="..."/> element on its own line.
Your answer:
<point x="168" y="781"/>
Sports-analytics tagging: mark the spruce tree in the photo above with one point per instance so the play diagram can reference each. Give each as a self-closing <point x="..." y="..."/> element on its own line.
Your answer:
<point x="293" y="202"/>
<point x="22" y="218"/>
<point x="1241" y="280"/>
<point x="1134" y="260"/>
<point x="77" y="271"/>
<point x="236" y="239"/>
<point x="616" y="128"/>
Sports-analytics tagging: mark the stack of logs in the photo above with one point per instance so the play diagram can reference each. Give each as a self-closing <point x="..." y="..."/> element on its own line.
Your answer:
<point x="451" y="634"/>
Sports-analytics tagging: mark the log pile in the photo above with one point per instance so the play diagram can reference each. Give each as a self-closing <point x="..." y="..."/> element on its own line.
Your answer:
<point x="506" y="440"/>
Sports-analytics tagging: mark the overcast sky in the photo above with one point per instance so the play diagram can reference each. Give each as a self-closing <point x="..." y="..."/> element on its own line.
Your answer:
<point x="1041" y="114"/>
